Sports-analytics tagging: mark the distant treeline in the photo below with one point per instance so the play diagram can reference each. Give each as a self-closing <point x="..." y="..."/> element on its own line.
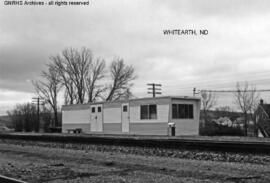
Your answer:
<point x="24" y="117"/>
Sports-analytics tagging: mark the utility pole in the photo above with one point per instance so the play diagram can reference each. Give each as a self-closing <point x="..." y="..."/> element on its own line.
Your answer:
<point x="154" y="90"/>
<point x="194" y="92"/>
<point x="38" y="101"/>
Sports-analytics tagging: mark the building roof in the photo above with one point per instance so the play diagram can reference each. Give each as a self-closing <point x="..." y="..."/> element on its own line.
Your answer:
<point x="87" y="105"/>
<point x="169" y="97"/>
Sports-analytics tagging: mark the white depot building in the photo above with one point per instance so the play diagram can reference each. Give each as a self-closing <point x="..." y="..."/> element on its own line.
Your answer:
<point x="143" y="116"/>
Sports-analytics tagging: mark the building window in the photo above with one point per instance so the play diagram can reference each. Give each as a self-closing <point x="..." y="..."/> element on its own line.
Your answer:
<point x="144" y="111"/>
<point x="182" y="111"/>
<point x="125" y="108"/>
<point x="174" y="111"/>
<point x="148" y="111"/>
<point x="99" y="109"/>
<point x="152" y="111"/>
<point x="93" y="109"/>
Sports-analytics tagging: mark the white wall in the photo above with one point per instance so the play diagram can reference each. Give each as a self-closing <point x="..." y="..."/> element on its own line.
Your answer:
<point x="112" y="115"/>
<point x="162" y="114"/>
<point x="76" y="116"/>
<point x="187" y="126"/>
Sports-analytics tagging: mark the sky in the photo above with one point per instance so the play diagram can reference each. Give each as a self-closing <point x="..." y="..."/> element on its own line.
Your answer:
<point x="236" y="48"/>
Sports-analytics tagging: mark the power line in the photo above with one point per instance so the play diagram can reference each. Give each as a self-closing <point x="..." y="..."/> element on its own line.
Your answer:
<point x="257" y="77"/>
<point x="220" y="83"/>
<point x="227" y="91"/>
<point x="154" y="90"/>
<point x="195" y="92"/>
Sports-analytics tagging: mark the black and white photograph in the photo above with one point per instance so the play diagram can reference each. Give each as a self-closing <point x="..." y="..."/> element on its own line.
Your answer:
<point x="134" y="91"/>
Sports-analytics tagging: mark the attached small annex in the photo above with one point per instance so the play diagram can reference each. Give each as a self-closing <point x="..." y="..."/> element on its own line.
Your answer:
<point x="142" y="116"/>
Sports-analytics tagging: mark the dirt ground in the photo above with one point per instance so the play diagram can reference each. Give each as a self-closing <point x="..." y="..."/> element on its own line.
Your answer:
<point x="49" y="164"/>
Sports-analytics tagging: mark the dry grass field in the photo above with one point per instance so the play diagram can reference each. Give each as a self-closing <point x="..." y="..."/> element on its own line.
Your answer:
<point x="49" y="163"/>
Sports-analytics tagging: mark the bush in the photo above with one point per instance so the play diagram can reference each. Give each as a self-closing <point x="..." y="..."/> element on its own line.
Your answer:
<point x="24" y="117"/>
<point x="213" y="129"/>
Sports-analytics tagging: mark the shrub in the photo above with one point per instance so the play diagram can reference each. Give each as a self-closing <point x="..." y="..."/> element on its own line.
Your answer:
<point x="214" y="129"/>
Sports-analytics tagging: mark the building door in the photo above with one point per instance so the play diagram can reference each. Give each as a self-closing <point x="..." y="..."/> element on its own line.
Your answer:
<point x="125" y="117"/>
<point x="96" y="118"/>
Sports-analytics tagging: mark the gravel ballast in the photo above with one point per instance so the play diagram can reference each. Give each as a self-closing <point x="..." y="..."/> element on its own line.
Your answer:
<point x="34" y="161"/>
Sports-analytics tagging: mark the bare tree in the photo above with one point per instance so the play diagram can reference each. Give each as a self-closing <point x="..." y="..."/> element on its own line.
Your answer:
<point x="60" y="66"/>
<point x="73" y="66"/>
<point x="247" y="99"/>
<point x="77" y="63"/>
<point x="95" y="74"/>
<point x="208" y="102"/>
<point x="48" y="88"/>
<point x="80" y="75"/>
<point x="121" y="75"/>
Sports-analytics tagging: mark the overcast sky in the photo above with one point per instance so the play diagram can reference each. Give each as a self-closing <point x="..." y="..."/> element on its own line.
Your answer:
<point x="237" y="47"/>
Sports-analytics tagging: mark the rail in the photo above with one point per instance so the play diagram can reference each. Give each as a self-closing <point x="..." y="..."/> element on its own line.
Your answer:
<point x="5" y="179"/>
<point x="153" y="142"/>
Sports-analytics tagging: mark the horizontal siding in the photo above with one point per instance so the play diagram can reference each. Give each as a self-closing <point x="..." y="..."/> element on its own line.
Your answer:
<point x="85" y="127"/>
<point x="112" y="105"/>
<point x="112" y="128"/>
<point x="112" y="115"/>
<point x="76" y="116"/>
<point x="162" y="115"/>
<point x="187" y="98"/>
<point x="159" y="101"/>
<point x="148" y="128"/>
<point x="75" y="107"/>
<point x="186" y="127"/>
<point x="182" y="101"/>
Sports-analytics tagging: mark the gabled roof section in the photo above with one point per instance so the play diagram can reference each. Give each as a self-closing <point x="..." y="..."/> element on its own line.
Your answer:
<point x="87" y="105"/>
<point x="186" y="97"/>
<point x="75" y="107"/>
<point x="167" y="97"/>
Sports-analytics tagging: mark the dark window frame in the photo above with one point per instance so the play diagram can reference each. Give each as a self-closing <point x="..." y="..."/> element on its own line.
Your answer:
<point x="144" y="111"/>
<point x="148" y="112"/>
<point x="125" y="108"/>
<point x="182" y="111"/>
<point x="93" y="109"/>
<point x="99" y="109"/>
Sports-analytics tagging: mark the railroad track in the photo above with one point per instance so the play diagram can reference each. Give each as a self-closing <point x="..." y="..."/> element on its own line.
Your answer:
<point x="262" y="147"/>
<point x="4" y="179"/>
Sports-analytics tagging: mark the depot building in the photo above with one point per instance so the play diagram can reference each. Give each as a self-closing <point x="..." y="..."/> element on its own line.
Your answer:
<point x="142" y="116"/>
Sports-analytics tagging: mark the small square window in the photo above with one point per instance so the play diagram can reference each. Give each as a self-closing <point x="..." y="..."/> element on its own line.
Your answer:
<point x="125" y="108"/>
<point x="93" y="109"/>
<point x="99" y="109"/>
<point x="149" y="111"/>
